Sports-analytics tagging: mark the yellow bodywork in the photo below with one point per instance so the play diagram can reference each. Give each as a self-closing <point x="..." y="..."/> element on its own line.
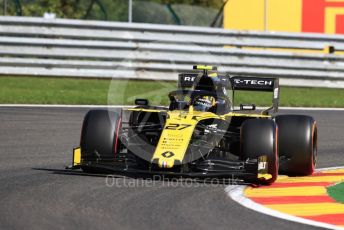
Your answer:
<point x="76" y="156"/>
<point x="176" y="136"/>
<point x="264" y="176"/>
<point x="178" y="130"/>
<point x="204" y="67"/>
<point x="177" y="133"/>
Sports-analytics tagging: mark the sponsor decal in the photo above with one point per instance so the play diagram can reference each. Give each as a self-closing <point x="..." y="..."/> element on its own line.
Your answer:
<point x="167" y="154"/>
<point x="253" y="82"/>
<point x="276" y="93"/>
<point x="172" y="141"/>
<point x="186" y="80"/>
<point x="323" y="16"/>
<point x="204" y="102"/>
<point x="262" y="165"/>
<point x="189" y="78"/>
<point x="309" y="16"/>
<point x="212" y="126"/>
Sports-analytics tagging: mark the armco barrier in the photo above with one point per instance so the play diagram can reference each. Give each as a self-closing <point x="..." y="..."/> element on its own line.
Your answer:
<point x="75" y="48"/>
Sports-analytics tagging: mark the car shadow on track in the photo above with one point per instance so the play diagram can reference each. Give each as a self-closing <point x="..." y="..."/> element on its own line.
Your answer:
<point x="209" y="181"/>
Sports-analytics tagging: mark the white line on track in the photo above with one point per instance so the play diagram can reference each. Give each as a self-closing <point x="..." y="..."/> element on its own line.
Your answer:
<point x="128" y="106"/>
<point x="311" y="108"/>
<point x="236" y="193"/>
<point x="64" y="106"/>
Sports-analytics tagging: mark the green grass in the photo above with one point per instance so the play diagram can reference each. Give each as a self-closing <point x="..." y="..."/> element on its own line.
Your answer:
<point x="337" y="192"/>
<point x="297" y="96"/>
<point x="39" y="90"/>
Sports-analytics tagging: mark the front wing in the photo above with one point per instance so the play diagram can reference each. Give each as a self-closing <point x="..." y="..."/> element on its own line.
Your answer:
<point x="249" y="170"/>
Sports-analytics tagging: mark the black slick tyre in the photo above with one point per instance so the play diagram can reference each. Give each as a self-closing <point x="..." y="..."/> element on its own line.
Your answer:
<point x="297" y="144"/>
<point x="100" y="136"/>
<point x="259" y="138"/>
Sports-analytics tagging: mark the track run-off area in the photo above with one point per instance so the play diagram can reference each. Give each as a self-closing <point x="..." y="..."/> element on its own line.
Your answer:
<point x="35" y="192"/>
<point x="301" y="199"/>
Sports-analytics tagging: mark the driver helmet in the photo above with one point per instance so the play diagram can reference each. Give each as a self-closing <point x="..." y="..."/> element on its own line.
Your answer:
<point x="204" y="103"/>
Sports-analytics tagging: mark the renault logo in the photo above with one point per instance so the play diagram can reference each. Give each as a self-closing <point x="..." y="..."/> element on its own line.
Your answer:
<point x="167" y="154"/>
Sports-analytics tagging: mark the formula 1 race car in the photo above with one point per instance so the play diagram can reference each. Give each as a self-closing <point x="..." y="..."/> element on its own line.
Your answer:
<point x="201" y="134"/>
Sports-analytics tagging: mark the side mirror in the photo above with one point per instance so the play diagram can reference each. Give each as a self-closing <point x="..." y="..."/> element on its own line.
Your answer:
<point x="247" y="107"/>
<point x="142" y="102"/>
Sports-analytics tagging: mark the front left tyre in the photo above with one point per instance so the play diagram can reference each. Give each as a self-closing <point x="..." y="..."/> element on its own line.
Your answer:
<point x="100" y="135"/>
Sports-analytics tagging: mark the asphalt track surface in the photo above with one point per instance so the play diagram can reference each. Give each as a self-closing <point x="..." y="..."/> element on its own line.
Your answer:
<point x="36" y="143"/>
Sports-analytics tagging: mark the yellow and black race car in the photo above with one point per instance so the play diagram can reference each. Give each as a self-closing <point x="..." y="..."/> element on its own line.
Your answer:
<point x="201" y="134"/>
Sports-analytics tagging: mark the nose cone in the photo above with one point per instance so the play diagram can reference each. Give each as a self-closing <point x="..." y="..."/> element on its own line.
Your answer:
<point x="174" y="140"/>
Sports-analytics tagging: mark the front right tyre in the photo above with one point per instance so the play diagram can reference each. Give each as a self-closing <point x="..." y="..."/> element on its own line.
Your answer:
<point x="259" y="138"/>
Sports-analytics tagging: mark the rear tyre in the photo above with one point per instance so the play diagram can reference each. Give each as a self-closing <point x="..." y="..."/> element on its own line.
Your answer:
<point x="100" y="136"/>
<point x="259" y="138"/>
<point x="297" y="144"/>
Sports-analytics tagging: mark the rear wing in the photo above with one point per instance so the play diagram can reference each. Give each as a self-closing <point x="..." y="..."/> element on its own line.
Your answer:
<point x="186" y="80"/>
<point x="258" y="84"/>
